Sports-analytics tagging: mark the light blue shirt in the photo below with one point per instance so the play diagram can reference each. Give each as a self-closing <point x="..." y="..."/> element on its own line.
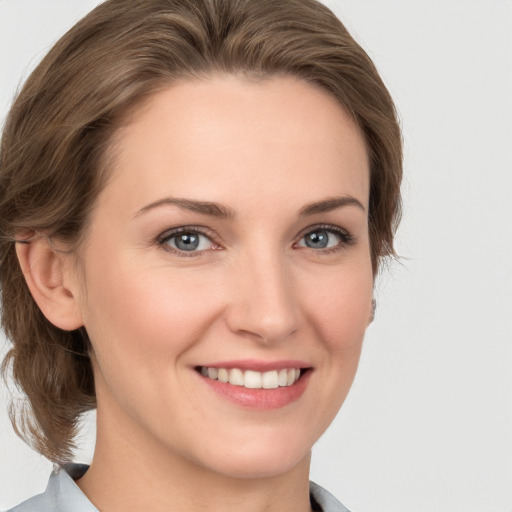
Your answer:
<point x="63" y="495"/>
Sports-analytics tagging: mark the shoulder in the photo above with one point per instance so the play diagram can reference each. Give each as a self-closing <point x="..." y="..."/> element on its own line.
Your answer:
<point x="324" y="500"/>
<point x="39" y="503"/>
<point x="62" y="492"/>
<point x="61" y="495"/>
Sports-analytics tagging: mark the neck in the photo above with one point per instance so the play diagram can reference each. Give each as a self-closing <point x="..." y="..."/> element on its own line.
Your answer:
<point x="142" y="474"/>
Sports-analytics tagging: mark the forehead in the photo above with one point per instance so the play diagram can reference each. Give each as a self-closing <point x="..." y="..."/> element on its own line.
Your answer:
<point x="205" y="139"/>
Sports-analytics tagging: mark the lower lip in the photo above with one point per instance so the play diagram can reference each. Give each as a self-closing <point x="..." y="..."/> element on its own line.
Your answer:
<point x="263" y="399"/>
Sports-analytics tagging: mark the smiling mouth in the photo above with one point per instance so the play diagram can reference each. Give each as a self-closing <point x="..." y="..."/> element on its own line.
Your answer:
<point x="251" y="379"/>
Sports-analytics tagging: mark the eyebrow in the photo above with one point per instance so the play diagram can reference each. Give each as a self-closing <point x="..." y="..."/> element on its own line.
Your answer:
<point x="203" y="207"/>
<point x="328" y="205"/>
<point x="221" y="211"/>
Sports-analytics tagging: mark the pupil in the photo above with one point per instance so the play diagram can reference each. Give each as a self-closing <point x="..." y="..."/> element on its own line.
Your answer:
<point x="317" y="239"/>
<point x="187" y="242"/>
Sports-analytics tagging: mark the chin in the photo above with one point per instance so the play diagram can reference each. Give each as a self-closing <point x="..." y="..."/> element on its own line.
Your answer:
<point x="258" y="460"/>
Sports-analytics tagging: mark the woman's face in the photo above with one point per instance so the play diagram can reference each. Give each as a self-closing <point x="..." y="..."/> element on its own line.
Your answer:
<point x="231" y="243"/>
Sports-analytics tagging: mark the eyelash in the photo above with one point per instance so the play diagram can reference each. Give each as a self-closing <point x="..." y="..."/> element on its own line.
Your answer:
<point x="346" y="239"/>
<point x="189" y="230"/>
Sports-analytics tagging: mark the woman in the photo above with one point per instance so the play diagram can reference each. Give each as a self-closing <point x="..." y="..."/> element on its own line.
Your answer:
<point x="150" y="267"/>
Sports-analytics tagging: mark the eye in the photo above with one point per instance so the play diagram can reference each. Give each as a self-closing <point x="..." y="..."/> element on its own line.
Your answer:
<point x="325" y="238"/>
<point x="186" y="241"/>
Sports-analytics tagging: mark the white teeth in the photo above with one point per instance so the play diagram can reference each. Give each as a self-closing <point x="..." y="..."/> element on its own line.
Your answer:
<point x="269" y="380"/>
<point x="252" y="379"/>
<point x="223" y="375"/>
<point x="236" y="377"/>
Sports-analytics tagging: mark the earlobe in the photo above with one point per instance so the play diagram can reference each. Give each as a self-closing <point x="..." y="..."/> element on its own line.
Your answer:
<point x="372" y="311"/>
<point x="47" y="272"/>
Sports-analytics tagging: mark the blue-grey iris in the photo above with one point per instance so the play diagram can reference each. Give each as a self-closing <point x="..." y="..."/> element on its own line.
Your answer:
<point x="317" y="239"/>
<point x="187" y="241"/>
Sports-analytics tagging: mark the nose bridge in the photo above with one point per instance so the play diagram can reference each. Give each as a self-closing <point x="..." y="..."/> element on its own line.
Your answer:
<point x="264" y="303"/>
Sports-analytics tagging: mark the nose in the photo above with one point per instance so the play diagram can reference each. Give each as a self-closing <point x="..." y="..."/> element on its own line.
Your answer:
<point x="263" y="304"/>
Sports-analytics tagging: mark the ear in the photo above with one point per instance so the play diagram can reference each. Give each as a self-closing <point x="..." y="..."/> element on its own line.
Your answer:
<point x="48" y="276"/>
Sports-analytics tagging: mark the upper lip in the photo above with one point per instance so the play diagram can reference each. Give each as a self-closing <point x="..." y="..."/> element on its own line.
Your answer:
<point x="258" y="365"/>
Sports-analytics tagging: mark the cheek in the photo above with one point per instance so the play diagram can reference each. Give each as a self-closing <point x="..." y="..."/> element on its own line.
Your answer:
<point x="142" y="326"/>
<point x="338" y="314"/>
<point x="140" y="318"/>
<point x="340" y="308"/>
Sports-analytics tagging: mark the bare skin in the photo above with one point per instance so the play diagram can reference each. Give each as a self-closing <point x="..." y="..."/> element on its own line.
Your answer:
<point x="234" y="232"/>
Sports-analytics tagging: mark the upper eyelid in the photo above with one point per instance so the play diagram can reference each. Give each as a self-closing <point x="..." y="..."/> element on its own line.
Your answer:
<point x="327" y="227"/>
<point x="201" y="230"/>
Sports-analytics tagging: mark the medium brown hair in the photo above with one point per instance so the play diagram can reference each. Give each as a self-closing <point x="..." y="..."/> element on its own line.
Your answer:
<point x="54" y="149"/>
